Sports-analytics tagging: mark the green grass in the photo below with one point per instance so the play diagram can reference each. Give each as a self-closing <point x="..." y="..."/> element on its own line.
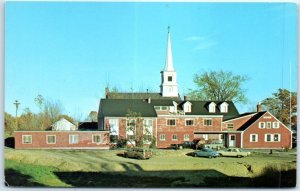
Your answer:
<point x="20" y="174"/>
<point x="167" y="168"/>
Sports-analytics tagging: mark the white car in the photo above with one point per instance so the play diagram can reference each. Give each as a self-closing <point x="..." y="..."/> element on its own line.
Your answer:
<point x="233" y="152"/>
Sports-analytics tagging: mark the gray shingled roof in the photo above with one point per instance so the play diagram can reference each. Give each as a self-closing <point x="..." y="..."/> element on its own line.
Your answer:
<point x="139" y="96"/>
<point x="120" y="107"/>
<point x="201" y="108"/>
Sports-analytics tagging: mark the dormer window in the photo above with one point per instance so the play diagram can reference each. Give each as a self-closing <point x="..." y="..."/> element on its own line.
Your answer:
<point x="187" y="107"/>
<point x="212" y="107"/>
<point x="224" y="107"/>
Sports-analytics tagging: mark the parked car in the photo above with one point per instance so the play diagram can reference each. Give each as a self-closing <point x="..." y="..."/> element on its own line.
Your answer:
<point x="206" y="152"/>
<point x="188" y="144"/>
<point x="234" y="152"/>
<point x="213" y="144"/>
<point x="138" y="153"/>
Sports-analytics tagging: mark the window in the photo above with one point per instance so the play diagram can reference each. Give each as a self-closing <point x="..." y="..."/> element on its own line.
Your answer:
<point x="186" y="137"/>
<point x="269" y="125"/>
<point x="147" y="124"/>
<point x="224" y="107"/>
<point x="51" y="139"/>
<point x="174" y="138"/>
<point x="229" y="125"/>
<point x="96" y="138"/>
<point x="26" y="139"/>
<point x="73" y="139"/>
<point x="189" y="122"/>
<point x="276" y="125"/>
<point x="268" y="137"/>
<point x="164" y="108"/>
<point x="162" y="137"/>
<point x="171" y="122"/>
<point x="207" y="122"/>
<point x="114" y="126"/>
<point x="187" y="106"/>
<point x="277" y="137"/>
<point x="253" y="137"/>
<point x="261" y="125"/>
<point x="169" y="78"/>
<point x="212" y="107"/>
<point x="157" y="107"/>
<point x="130" y="126"/>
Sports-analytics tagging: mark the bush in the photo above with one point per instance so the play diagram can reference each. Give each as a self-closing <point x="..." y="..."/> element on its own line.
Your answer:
<point x="121" y="143"/>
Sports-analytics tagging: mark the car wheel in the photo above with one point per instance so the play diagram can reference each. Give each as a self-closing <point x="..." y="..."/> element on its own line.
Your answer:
<point x="125" y="155"/>
<point x="239" y="156"/>
<point x="210" y="156"/>
<point x="221" y="155"/>
<point x="139" y="157"/>
<point x="194" y="155"/>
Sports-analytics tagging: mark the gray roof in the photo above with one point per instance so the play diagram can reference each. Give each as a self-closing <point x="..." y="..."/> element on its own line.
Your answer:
<point x="135" y="95"/>
<point x="201" y="108"/>
<point x="121" y="107"/>
<point x="251" y="120"/>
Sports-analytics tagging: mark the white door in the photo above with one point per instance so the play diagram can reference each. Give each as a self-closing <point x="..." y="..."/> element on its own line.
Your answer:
<point x="231" y="141"/>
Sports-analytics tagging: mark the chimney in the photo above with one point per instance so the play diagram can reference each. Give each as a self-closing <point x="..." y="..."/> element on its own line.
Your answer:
<point x="149" y="100"/>
<point x="186" y="98"/>
<point x="107" y="92"/>
<point x="258" y="107"/>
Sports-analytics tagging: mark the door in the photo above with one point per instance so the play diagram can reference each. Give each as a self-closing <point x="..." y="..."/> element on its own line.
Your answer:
<point x="232" y="140"/>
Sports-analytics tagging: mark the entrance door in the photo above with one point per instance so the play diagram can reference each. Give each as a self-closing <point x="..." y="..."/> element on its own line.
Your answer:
<point x="231" y="141"/>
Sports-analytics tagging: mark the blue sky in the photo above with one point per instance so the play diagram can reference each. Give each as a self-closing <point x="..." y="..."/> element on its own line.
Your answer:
<point x="71" y="51"/>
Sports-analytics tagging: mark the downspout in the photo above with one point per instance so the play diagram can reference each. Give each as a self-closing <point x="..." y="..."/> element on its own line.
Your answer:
<point x="156" y="132"/>
<point x="242" y="138"/>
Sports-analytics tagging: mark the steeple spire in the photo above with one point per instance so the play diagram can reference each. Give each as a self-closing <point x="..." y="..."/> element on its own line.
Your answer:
<point x="168" y="75"/>
<point x="169" y="59"/>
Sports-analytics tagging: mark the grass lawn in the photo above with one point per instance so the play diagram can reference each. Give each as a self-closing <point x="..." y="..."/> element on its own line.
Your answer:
<point x="167" y="168"/>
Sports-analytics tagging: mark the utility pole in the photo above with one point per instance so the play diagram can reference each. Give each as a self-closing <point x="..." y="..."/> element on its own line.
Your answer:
<point x="17" y="103"/>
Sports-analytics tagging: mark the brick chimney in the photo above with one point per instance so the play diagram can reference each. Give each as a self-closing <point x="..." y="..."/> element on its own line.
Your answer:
<point x="258" y="107"/>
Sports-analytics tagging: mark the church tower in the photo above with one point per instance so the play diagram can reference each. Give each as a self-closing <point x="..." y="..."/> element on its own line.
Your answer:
<point x="168" y="85"/>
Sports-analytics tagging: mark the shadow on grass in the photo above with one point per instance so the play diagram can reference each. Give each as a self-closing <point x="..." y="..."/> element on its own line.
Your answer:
<point x="180" y="178"/>
<point x="9" y="142"/>
<point x="15" y="178"/>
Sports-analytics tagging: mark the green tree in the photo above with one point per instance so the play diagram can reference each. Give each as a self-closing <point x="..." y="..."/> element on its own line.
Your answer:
<point x="219" y="86"/>
<point x="283" y="105"/>
<point x="9" y="124"/>
<point x="137" y="133"/>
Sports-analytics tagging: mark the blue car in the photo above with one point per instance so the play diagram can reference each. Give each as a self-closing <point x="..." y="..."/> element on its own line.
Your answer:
<point x="206" y="152"/>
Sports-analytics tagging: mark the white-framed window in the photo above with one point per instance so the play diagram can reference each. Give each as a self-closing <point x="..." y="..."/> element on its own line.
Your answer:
<point x="224" y="107"/>
<point x="261" y="125"/>
<point x="147" y="126"/>
<point x="187" y="106"/>
<point x="174" y="137"/>
<point x="51" y="139"/>
<point x="186" y="137"/>
<point x="253" y="137"/>
<point x="205" y="137"/>
<point x="73" y="139"/>
<point x="269" y="125"/>
<point x="212" y="107"/>
<point x="276" y="137"/>
<point x="230" y="125"/>
<point x="162" y="137"/>
<point x="26" y="139"/>
<point x="275" y="124"/>
<point x="96" y="138"/>
<point x="171" y="122"/>
<point x="114" y="126"/>
<point x="189" y="122"/>
<point x="130" y="128"/>
<point x="207" y="122"/>
<point x="268" y="137"/>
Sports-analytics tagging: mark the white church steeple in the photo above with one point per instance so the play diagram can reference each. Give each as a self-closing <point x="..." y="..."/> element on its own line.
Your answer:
<point x="168" y="75"/>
